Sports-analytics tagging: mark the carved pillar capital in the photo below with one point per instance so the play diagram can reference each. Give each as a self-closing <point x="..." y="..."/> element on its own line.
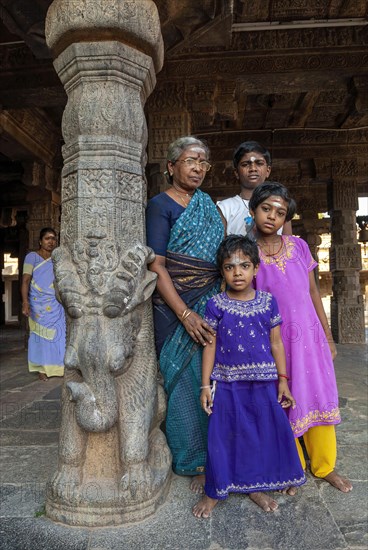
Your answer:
<point x="128" y="21"/>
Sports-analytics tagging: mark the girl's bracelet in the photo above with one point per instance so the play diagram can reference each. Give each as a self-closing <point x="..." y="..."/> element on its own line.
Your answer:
<point x="283" y="376"/>
<point x="204" y="387"/>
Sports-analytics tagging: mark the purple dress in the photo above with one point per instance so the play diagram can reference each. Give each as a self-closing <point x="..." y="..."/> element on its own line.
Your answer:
<point x="308" y="357"/>
<point x="250" y="443"/>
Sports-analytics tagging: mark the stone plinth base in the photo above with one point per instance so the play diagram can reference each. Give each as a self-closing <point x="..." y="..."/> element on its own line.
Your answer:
<point x="103" y="507"/>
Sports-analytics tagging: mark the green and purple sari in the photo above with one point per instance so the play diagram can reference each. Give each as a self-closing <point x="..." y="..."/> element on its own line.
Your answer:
<point x="190" y="261"/>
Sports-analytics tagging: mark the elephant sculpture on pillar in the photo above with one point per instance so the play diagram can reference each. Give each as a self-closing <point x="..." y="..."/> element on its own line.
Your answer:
<point x="111" y="387"/>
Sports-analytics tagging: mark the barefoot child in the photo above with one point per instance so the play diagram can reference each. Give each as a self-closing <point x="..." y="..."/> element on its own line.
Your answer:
<point x="286" y="270"/>
<point x="250" y="444"/>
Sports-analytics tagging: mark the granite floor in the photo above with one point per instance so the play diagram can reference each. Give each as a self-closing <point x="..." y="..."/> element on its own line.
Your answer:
<point x="318" y="518"/>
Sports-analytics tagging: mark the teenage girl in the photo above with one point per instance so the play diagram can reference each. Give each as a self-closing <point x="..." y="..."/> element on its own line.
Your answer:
<point x="250" y="443"/>
<point x="287" y="270"/>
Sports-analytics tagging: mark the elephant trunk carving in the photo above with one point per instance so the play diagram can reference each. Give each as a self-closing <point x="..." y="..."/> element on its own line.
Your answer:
<point x="96" y="397"/>
<point x="93" y="414"/>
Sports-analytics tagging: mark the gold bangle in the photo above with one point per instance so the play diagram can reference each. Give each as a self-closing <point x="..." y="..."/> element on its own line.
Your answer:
<point x="181" y="317"/>
<point x="185" y="314"/>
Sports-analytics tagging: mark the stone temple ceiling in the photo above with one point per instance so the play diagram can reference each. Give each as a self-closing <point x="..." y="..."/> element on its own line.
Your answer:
<point x="292" y="74"/>
<point x="262" y="65"/>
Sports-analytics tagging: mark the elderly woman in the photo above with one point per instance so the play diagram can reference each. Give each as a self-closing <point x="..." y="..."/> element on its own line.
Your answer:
<point x="184" y="229"/>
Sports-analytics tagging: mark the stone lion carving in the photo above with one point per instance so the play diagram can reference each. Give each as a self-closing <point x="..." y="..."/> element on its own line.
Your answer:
<point x="111" y="381"/>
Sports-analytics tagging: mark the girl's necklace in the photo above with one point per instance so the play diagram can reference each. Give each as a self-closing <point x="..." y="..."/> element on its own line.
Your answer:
<point x="273" y="253"/>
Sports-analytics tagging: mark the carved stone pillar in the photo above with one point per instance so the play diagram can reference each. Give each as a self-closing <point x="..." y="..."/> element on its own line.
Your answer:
<point x="114" y="463"/>
<point x="168" y="119"/>
<point x="44" y="211"/>
<point x="347" y="309"/>
<point x="310" y="230"/>
<point x="44" y="202"/>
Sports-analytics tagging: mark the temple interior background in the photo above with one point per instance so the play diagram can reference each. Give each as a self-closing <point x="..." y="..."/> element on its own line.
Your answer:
<point x="291" y="75"/>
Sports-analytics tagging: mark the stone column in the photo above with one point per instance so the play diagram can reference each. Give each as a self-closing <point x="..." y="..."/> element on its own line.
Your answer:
<point x="114" y="463"/>
<point x="310" y="230"/>
<point x="44" y="200"/>
<point x="347" y="309"/>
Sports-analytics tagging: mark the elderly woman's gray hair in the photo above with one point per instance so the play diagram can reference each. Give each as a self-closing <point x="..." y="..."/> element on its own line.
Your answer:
<point x="177" y="147"/>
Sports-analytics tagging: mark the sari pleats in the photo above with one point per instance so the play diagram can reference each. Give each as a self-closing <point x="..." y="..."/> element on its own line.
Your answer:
<point x="191" y="256"/>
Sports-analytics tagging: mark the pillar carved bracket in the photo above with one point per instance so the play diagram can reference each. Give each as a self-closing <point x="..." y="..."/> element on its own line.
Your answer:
<point x="114" y="462"/>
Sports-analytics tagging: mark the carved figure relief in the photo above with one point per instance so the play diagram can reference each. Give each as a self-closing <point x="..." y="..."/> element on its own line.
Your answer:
<point x="110" y="367"/>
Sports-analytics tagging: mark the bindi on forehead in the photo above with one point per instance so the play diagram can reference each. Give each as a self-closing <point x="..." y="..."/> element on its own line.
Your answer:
<point x="252" y="157"/>
<point x="195" y="151"/>
<point x="237" y="259"/>
<point x="277" y="202"/>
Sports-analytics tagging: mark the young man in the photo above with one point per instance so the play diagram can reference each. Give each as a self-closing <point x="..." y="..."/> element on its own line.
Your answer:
<point x="252" y="166"/>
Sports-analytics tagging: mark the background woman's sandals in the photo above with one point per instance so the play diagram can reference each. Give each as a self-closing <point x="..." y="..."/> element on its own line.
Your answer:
<point x="42" y="376"/>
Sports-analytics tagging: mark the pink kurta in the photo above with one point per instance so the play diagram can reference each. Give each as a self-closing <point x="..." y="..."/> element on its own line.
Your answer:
<point x="308" y="358"/>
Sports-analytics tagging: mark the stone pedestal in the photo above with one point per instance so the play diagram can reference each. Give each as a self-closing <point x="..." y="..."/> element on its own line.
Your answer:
<point x="347" y="308"/>
<point x="114" y="463"/>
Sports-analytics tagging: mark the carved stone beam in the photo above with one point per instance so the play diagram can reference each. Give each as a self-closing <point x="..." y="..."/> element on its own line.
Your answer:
<point x="32" y="130"/>
<point x="114" y="463"/>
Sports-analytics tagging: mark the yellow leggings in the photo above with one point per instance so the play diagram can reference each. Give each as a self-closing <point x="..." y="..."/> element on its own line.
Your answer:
<point x="320" y="442"/>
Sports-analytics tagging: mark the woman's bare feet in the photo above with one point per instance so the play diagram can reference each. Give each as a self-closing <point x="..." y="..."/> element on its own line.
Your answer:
<point x="197" y="484"/>
<point x="341" y="483"/>
<point x="264" y="501"/>
<point x="42" y="376"/>
<point x="204" y="507"/>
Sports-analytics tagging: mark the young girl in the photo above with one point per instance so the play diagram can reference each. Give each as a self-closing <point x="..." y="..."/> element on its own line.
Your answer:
<point x="250" y="444"/>
<point x="286" y="270"/>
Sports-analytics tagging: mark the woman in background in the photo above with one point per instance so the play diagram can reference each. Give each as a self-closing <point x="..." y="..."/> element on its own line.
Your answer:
<point x="46" y="345"/>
